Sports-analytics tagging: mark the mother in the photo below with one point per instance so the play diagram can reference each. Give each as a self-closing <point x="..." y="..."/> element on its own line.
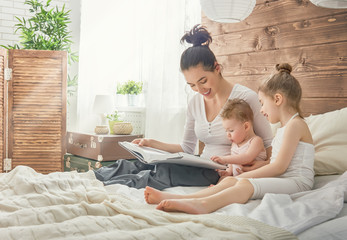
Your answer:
<point x="203" y="74"/>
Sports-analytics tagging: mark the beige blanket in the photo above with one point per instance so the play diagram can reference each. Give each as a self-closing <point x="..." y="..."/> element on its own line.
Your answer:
<point x="70" y="205"/>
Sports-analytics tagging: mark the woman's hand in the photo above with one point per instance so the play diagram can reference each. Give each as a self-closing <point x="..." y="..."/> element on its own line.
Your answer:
<point x="142" y="142"/>
<point x="253" y="165"/>
<point x="148" y="142"/>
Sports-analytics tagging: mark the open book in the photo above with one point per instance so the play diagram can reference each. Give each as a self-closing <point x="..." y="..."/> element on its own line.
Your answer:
<point x="153" y="156"/>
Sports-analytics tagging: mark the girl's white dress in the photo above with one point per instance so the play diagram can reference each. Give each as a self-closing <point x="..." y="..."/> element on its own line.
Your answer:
<point x="299" y="175"/>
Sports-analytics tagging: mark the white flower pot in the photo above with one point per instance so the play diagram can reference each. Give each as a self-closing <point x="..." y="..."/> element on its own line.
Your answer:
<point x="133" y="100"/>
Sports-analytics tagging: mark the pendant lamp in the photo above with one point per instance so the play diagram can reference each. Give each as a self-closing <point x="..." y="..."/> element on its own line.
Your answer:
<point x="330" y="3"/>
<point x="227" y="11"/>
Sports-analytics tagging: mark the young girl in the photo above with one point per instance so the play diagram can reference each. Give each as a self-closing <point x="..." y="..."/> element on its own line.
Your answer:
<point x="237" y="119"/>
<point x="291" y="166"/>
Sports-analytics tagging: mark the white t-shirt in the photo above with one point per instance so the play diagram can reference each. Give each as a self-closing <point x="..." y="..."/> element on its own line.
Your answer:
<point x="212" y="134"/>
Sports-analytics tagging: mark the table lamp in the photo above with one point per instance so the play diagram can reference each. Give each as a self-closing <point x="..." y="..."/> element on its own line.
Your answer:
<point x="103" y="104"/>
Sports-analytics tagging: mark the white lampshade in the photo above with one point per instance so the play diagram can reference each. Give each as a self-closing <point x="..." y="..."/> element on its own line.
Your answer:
<point x="103" y="104"/>
<point x="330" y="3"/>
<point x="227" y="11"/>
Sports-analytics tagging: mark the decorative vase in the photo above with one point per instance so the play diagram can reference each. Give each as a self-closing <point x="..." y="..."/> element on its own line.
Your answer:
<point x="122" y="128"/>
<point x="133" y="100"/>
<point x="111" y="124"/>
<point x="101" y="129"/>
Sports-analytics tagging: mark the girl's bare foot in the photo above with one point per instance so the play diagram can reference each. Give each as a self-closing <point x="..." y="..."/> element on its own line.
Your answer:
<point x="192" y="206"/>
<point x="154" y="196"/>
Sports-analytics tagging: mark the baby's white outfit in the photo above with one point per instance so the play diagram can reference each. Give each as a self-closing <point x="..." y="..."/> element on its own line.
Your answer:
<point x="299" y="175"/>
<point x="237" y="150"/>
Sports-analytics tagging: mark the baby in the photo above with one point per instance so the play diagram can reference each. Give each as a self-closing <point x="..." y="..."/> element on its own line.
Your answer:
<point x="237" y="118"/>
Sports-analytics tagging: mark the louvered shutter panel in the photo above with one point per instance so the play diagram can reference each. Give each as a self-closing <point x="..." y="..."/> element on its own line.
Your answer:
<point x="3" y="64"/>
<point x="37" y="109"/>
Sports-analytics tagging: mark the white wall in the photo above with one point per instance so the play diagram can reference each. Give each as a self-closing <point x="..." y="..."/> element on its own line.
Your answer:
<point x="10" y="9"/>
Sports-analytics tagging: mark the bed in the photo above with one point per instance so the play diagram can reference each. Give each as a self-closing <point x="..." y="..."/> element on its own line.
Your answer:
<point x="71" y="205"/>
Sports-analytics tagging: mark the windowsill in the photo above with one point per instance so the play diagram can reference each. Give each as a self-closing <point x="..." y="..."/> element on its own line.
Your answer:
<point x="130" y="109"/>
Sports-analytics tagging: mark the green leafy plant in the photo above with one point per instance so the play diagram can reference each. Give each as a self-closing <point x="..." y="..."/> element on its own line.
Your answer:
<point x="46" y="29"/>
<point x="130" y="87"/>
<point x="114" y="116"/>
<point x="120" y="89"/>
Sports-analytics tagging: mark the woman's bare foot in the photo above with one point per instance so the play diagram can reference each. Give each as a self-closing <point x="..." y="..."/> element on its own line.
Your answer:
<point x="154" y="196"/>
<point x="192" y="206"/>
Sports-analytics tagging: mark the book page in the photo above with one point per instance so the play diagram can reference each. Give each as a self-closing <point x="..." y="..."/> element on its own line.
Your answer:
<point x="201" y="162"/>
<point x="148" y="154"/>
<point x="152" y="156"/>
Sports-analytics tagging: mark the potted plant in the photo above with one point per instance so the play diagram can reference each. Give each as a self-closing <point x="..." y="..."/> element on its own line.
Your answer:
<point x="132" y="89"/>
<point x="112" y="119"/>
<point x="47" y="29"/>
<point x="121" y="97"/>
<point x="118" y="126"/>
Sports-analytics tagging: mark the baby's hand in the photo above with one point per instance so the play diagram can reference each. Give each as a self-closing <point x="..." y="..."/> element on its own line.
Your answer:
<point x="218" y="159"/>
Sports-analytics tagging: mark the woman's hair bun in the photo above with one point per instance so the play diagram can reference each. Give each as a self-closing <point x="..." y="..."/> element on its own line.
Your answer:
<point x="284" y="67"/>
<point x="198" y="36"/>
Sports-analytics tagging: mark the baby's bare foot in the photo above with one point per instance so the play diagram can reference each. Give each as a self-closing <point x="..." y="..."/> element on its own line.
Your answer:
<point x="192" y="206"/>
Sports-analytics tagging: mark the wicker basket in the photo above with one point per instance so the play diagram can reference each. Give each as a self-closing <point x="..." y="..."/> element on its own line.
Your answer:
<point x="122" y="128"/>
<point x="101" y="129"/>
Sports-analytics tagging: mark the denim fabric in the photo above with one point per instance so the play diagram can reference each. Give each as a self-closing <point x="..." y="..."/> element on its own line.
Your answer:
<point x="138" y="175"/>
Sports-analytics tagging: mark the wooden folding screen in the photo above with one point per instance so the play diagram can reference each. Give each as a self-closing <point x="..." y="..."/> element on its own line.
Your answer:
<point x="3" y="65"/>
<point x="37" y="109"/>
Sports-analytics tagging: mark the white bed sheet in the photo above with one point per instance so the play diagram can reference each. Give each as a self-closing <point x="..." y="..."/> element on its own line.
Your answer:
<point x="333" y="229"/>
<point x="309" y="215"/>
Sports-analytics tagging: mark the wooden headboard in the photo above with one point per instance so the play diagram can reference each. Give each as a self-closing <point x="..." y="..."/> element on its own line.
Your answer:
<point x="312" y="39"/>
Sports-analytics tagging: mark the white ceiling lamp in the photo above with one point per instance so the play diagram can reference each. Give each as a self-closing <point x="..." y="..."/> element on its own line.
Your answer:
<point x="330" y="3"/>
<point x="227" y="11"/>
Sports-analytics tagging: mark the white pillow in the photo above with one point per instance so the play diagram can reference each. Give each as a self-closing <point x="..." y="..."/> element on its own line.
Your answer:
<point x="329" y="133"/>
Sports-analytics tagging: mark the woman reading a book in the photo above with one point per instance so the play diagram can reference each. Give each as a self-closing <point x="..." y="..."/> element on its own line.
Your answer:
<point x="203" y="74"/>
<point x="291" y="167"/>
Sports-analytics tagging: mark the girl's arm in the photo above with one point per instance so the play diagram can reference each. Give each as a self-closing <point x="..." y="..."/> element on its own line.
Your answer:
<point x="292" y="136"/>
<point x="255" y="148"/>
<point x="257" y="164"/>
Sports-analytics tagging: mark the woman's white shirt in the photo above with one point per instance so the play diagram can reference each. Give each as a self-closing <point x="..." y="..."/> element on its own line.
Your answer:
<point x="212" y="134"/>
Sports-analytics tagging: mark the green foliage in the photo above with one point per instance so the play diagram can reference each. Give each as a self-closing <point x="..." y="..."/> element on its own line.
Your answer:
<point x="120" y="89"/>
<point x="47" y="29"/>
<point x="130" y="87"/>
<point x="114" y="116"/>
<point x="72" y="84"/>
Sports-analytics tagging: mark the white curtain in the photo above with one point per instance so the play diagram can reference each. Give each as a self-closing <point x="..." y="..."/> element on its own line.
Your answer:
<point x="138" y="40"/>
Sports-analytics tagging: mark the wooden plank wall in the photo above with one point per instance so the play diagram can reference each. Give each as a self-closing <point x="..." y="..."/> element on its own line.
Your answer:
<point x="312" y="39"/>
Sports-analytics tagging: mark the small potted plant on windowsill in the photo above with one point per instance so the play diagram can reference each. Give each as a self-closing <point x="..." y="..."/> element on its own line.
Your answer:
<point x="132" y="89"/>
<point x="118" y="126"/>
